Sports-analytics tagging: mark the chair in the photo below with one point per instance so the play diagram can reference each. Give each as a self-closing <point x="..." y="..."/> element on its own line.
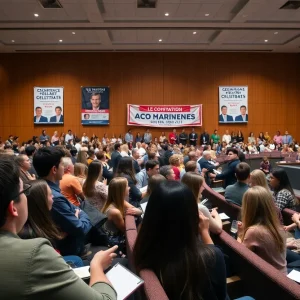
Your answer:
<point x="259" y="279"/>
<point x="131" y="235"/>
<point x="152" y="287"/>
<point x="287" y="216"/>
<point x="275" y="154"/>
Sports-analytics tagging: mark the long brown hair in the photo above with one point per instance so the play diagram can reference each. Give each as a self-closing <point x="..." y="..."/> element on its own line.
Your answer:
<point x="39" y="217"/>
<point x="80" y="170"/>
<point x="258" y="209"/>
<point x="116" y="194"/>
<point x="94" y="173"/>
<point x="81" y="157"/>
<point x="194" y="182"/>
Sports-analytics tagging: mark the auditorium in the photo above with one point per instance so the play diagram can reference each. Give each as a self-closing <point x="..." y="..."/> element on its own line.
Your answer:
<point x="149" y="149"/>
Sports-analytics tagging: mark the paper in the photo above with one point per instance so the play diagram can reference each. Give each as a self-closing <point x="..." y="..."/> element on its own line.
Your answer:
<point x="144" y="189"/>
<point x="223" y="216"/>
<point x="143" y="206"/>
<point x="83" y="272"/>
<point x="294" y="275"/>
<point x="123" y="281"/>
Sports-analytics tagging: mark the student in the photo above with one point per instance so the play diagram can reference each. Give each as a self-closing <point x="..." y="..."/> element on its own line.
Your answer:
<point x="260" y="229"/>
<point x="32" y="269"/>
<point x="283" y="192"/>
<point x="153" y="182"/>
<point x="168" y="244"/>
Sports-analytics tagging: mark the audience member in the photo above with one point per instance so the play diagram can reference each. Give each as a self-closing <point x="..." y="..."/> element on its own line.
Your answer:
<point x="153" y="182"/>
<point x="174" y="161"/>
<point x="115" y="157"/>
<point x="151" y="168"/>
<point x="168" y="172"/>
<point x="204" y="138"/>
<point x="193" y="137"/>
<point x="135" y="156"/>
<point x="24" y="164"/>
<point x="265" y="165"/>
<point x="80" y="172"/>
<point x="107" y="173"/>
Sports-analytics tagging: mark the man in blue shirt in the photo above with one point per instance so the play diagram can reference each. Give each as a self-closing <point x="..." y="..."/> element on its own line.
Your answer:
<point x="129" y="137"/>
<point x="72" y="221"/>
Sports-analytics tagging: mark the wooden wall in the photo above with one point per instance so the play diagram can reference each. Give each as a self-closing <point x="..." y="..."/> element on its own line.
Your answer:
<point x="151" y="78"/>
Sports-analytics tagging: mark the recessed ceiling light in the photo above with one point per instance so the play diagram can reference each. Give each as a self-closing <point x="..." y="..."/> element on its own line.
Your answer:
<point x="195" y="32"/>
<point x="12" y="41"/>
<point x="160" y="40"/>
<point x="266" y="41"/>
<point x="166" y="14"/>
<point x="73" y="32"/>
<point x="206" y="15"/>
<point x="276" y="32"/>
<point x="36" y="15"/>
<point x="60" y="41"/>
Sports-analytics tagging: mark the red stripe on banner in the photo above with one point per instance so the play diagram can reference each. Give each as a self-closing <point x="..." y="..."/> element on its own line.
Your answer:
<point x="95" y="111"/>
<point x="165" y="108"/>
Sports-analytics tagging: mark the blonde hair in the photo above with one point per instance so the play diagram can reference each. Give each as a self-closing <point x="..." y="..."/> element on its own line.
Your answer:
<point x="116" y="194"/>
<point x="194" y="182"/>
<point x="259" y="179"/>
<point x="258" y="209"/>
<point x="124" y="148"/>
<point x="80" y="170"/>
<point x="175" y="158"/>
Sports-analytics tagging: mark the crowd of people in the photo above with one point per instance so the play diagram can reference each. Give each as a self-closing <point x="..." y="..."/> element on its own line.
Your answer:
<point x="51" y="189"/>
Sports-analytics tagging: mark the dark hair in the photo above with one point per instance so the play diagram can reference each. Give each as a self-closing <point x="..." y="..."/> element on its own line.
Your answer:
<point x="233" y="150"/>
<point x="39" y="216"/>
<point x="100" y="155"/>
<point x="38" y="107"/>
<point x="191" y="166"/>
<point x="58" y="107"/>
<point x="125" y="166"/>
<point x="243" y="106"/>
<point x="242" y="156"/>
<point x="117" y="146"/>
<point x="154" y="248"/>
<point x="9" y="184"/>
<point x="223" y="106"/>
<point x="151" y="155"/>
<point x="94" y="171"/>
<point x="284" y="182"/>
<point x="95" y="94"/>
<point x="242" y="171"/>
<point x="46" y="158"/>
<point x="30" y="150"/>
<point x="150" y="164"/>
<point x="165" y="170"/>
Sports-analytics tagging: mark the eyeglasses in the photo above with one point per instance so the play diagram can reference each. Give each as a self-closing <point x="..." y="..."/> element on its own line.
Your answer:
<point x="26" y="190"/>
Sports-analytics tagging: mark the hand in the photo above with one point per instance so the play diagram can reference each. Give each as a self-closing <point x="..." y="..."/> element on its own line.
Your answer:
<point x="204" y="170"/>
<point x="211" y="175"/>
<point x="295" y="218"/>
<point x="104" y="258"/>
<point x="214" y="212"/>
<point x="203" y="223"/>
<point x="134" y="211"/>
<point x="77" y="211"/>
<point x="240" y="228"/>
<point x="217" y="164"/>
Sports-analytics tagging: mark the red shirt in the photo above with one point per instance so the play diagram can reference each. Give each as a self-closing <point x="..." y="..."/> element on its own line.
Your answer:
<point x="172" y="138"/>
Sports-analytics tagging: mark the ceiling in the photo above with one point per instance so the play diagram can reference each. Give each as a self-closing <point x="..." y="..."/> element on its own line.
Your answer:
<point x="118" y="25"/>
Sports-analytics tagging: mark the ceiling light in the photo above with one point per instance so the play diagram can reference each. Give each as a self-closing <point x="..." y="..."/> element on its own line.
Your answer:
<point x="166" y="14"/>
<point x="12" y="41"/>
<point x="160" y="40"/>
<point x="206" y="15"/>
<point x="73" y="32"/>
<point x="276" y="32"/>
<point x="36" y="15"/>
<point x="60" y="41"/>
<point x="266" y="41"/>
<point x="195" y="32"/>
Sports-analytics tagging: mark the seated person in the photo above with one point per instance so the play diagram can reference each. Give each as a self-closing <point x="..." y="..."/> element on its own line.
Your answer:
<point x="265" y="165"/>
<point x="168" y="172"/>
<point x="234" y="193"/>
<point x="33" y="266"/>
<point x="153" y="182"/>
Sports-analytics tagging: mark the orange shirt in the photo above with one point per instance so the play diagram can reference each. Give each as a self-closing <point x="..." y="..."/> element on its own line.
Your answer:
<point x="70" y="187"/>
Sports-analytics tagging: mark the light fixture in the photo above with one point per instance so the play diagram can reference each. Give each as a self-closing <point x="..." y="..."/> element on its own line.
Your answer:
<point x="36" y="15"/>
<point x="60" y="41"/>
<point x="12" y="41"/>
<point x="195" y="32"/>
<point x="206" y="15"/>
<point x="266" y="41"/>
<point x="276" y="32"/>
<point x="73" y="32"/>
<point x="160" y="40"/>
<point x="166" y="14"/>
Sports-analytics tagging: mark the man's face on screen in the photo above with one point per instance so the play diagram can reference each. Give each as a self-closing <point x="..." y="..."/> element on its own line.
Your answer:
<point x="38" y="112"/>
<point x="58" y="111"/>
<point x="243" y="111"/>
<point x="95" y="100"/>
<point x="224" y="110"/>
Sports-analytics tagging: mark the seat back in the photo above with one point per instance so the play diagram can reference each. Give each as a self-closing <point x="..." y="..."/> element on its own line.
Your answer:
<point x="131" y="235"/>
<point x="260" y="279"/>
<point x="152" y="287"/>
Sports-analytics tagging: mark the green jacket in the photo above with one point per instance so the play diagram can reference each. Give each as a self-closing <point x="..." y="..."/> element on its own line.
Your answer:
<point x="33" y="270"/>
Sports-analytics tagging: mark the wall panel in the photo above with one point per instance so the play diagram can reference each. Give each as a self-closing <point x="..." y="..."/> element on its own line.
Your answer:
<point x="151" y="78"/>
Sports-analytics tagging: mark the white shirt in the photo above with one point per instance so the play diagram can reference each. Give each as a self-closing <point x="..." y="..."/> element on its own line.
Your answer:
<point x="69" y="137"/>
<point x="58" y="118"/>
<point x="37" y="119"/>
<point x="226" y="138"/>
<point x="78" y="147"/>
<point x="85" y="139"/>
<point x="141" y="152"/>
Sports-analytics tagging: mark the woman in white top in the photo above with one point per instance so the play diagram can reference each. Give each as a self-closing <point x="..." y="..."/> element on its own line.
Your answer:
<point x="84" y="138"/>
<point x="195" y="182"/>
<point x="55" y="138"/>
<point x="226" y="137"/>
<point x="163" y="137"/>
<point x="251" y="138"/>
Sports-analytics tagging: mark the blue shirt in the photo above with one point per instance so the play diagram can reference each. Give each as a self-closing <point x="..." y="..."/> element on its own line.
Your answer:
<point x="63" y="215"/>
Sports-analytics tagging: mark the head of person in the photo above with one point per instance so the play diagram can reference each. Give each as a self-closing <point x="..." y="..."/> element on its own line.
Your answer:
<point x="167" y="172"/>
<point x="58" y="110"/>
<point x="286" y="132"/>
<point x="30" y="150"/>
<point x="82" y="156"/>
<point x="192" y="156"/>
<point x="91" y="153"/>
<point x="279" y="180"/>
<point x="232" y="153"/>
<point x="174" y="130"/>
<point x="152" y="167"/>
<point x="191" y="166"/>
<point x="194" y="181"/>
<point x="39" y="202"/>
<point x="215" y="131"/>
<point x="154" y="181"/>
<point x="48" y="163"/>
<point x="224" y="110"/>
<point x="154" y="248"/>
<point x="243" y="110"/>
<point x="23" y="162"/>
<point x="80" y="170"/>
<point x="44" y="132"/>
<point x="95" y="100"/>
<point x="135" y="153"/>
<point x="226" y="131"/>
<point x="258" y="209"/>
<point x="278" y="133"/>
<point x="174" y="160"/>
<point x="258" y="178"/>
<point x="117" y="147"/>
<point x="242" y="171"/>
<point x="68" y="165"/>
<point x="38" y="111"/>
<point x="126" y="167"/>
<point x="86" y="116"/>
<point x="183" y="130"/>
<point x="13" y="200"/>
<point x="124" y="148"/>
<point x="94" y="174"/>
<point x="207" y="154"/>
